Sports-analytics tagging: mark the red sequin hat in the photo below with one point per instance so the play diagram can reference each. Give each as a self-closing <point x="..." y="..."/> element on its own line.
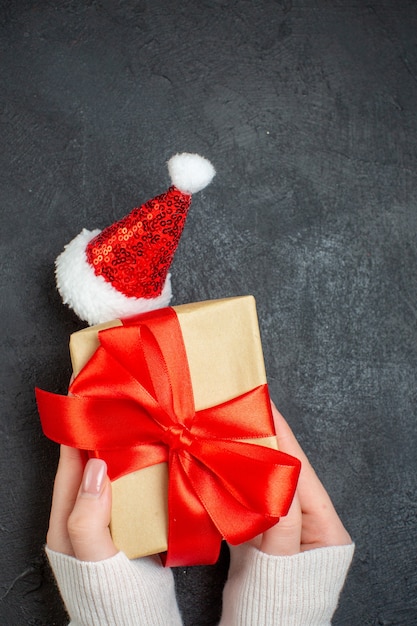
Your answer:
<point x="123" y="270"/>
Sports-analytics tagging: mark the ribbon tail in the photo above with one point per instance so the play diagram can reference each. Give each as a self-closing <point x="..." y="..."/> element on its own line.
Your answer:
<point x="192" y="536"/>
<point x="245" y="490"/>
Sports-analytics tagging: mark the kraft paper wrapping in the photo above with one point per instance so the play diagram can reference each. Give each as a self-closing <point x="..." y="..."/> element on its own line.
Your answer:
<point x="224" y="352"/>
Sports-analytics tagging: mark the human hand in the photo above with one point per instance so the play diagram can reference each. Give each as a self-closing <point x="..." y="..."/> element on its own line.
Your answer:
<point x="81" y="507"/>
<point x="101" y="585"/>
<point x="312" y="521"/>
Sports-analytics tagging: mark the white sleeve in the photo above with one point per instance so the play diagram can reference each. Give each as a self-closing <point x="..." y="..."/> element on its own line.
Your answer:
<point x="284" y="590"/>
<point x="116" y="591"/>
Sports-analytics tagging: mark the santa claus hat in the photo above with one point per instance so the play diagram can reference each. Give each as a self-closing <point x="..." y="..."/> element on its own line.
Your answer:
<point x="123" y="270"/>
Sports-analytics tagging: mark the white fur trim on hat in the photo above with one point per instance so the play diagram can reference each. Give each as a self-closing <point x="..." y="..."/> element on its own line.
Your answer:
<point x="92" y="298"/>
<point x="190" y="173"/>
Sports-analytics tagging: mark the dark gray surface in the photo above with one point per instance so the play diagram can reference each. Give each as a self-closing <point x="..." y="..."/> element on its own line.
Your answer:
<point x="308" y="111"/>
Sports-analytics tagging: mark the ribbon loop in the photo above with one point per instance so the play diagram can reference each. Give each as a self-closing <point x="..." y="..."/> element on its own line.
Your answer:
<point x="135" y="394"/>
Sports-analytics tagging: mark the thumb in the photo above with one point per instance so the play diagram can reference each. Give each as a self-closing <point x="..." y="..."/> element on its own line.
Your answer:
<point x="284" y="539"/>
<point x="88" y="523"/>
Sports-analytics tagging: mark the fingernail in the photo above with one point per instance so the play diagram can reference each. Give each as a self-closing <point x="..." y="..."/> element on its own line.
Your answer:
<point x="94" y="477"/>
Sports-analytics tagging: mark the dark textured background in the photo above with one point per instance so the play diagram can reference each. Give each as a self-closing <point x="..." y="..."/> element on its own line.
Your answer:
<point x="308" y="111"/>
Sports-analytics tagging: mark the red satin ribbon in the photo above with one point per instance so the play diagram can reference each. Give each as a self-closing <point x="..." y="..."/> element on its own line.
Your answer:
<point x="133" y="405"/>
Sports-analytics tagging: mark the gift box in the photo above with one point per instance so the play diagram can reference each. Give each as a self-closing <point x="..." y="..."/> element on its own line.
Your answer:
<point x="194" y="459"/>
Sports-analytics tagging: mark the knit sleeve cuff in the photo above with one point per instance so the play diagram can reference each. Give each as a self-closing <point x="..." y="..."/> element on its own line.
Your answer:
<point x="286" y="590"/>
<point x="116" y="591"/>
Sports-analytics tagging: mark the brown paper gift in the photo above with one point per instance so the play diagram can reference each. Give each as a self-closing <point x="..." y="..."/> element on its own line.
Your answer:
<point x="226" y="328"/>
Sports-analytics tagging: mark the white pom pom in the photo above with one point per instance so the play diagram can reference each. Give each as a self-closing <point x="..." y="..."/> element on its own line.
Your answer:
<point x="190" y="172"/>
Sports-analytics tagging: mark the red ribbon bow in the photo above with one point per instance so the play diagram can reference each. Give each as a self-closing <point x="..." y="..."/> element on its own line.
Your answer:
<point x="133" y="405"/>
